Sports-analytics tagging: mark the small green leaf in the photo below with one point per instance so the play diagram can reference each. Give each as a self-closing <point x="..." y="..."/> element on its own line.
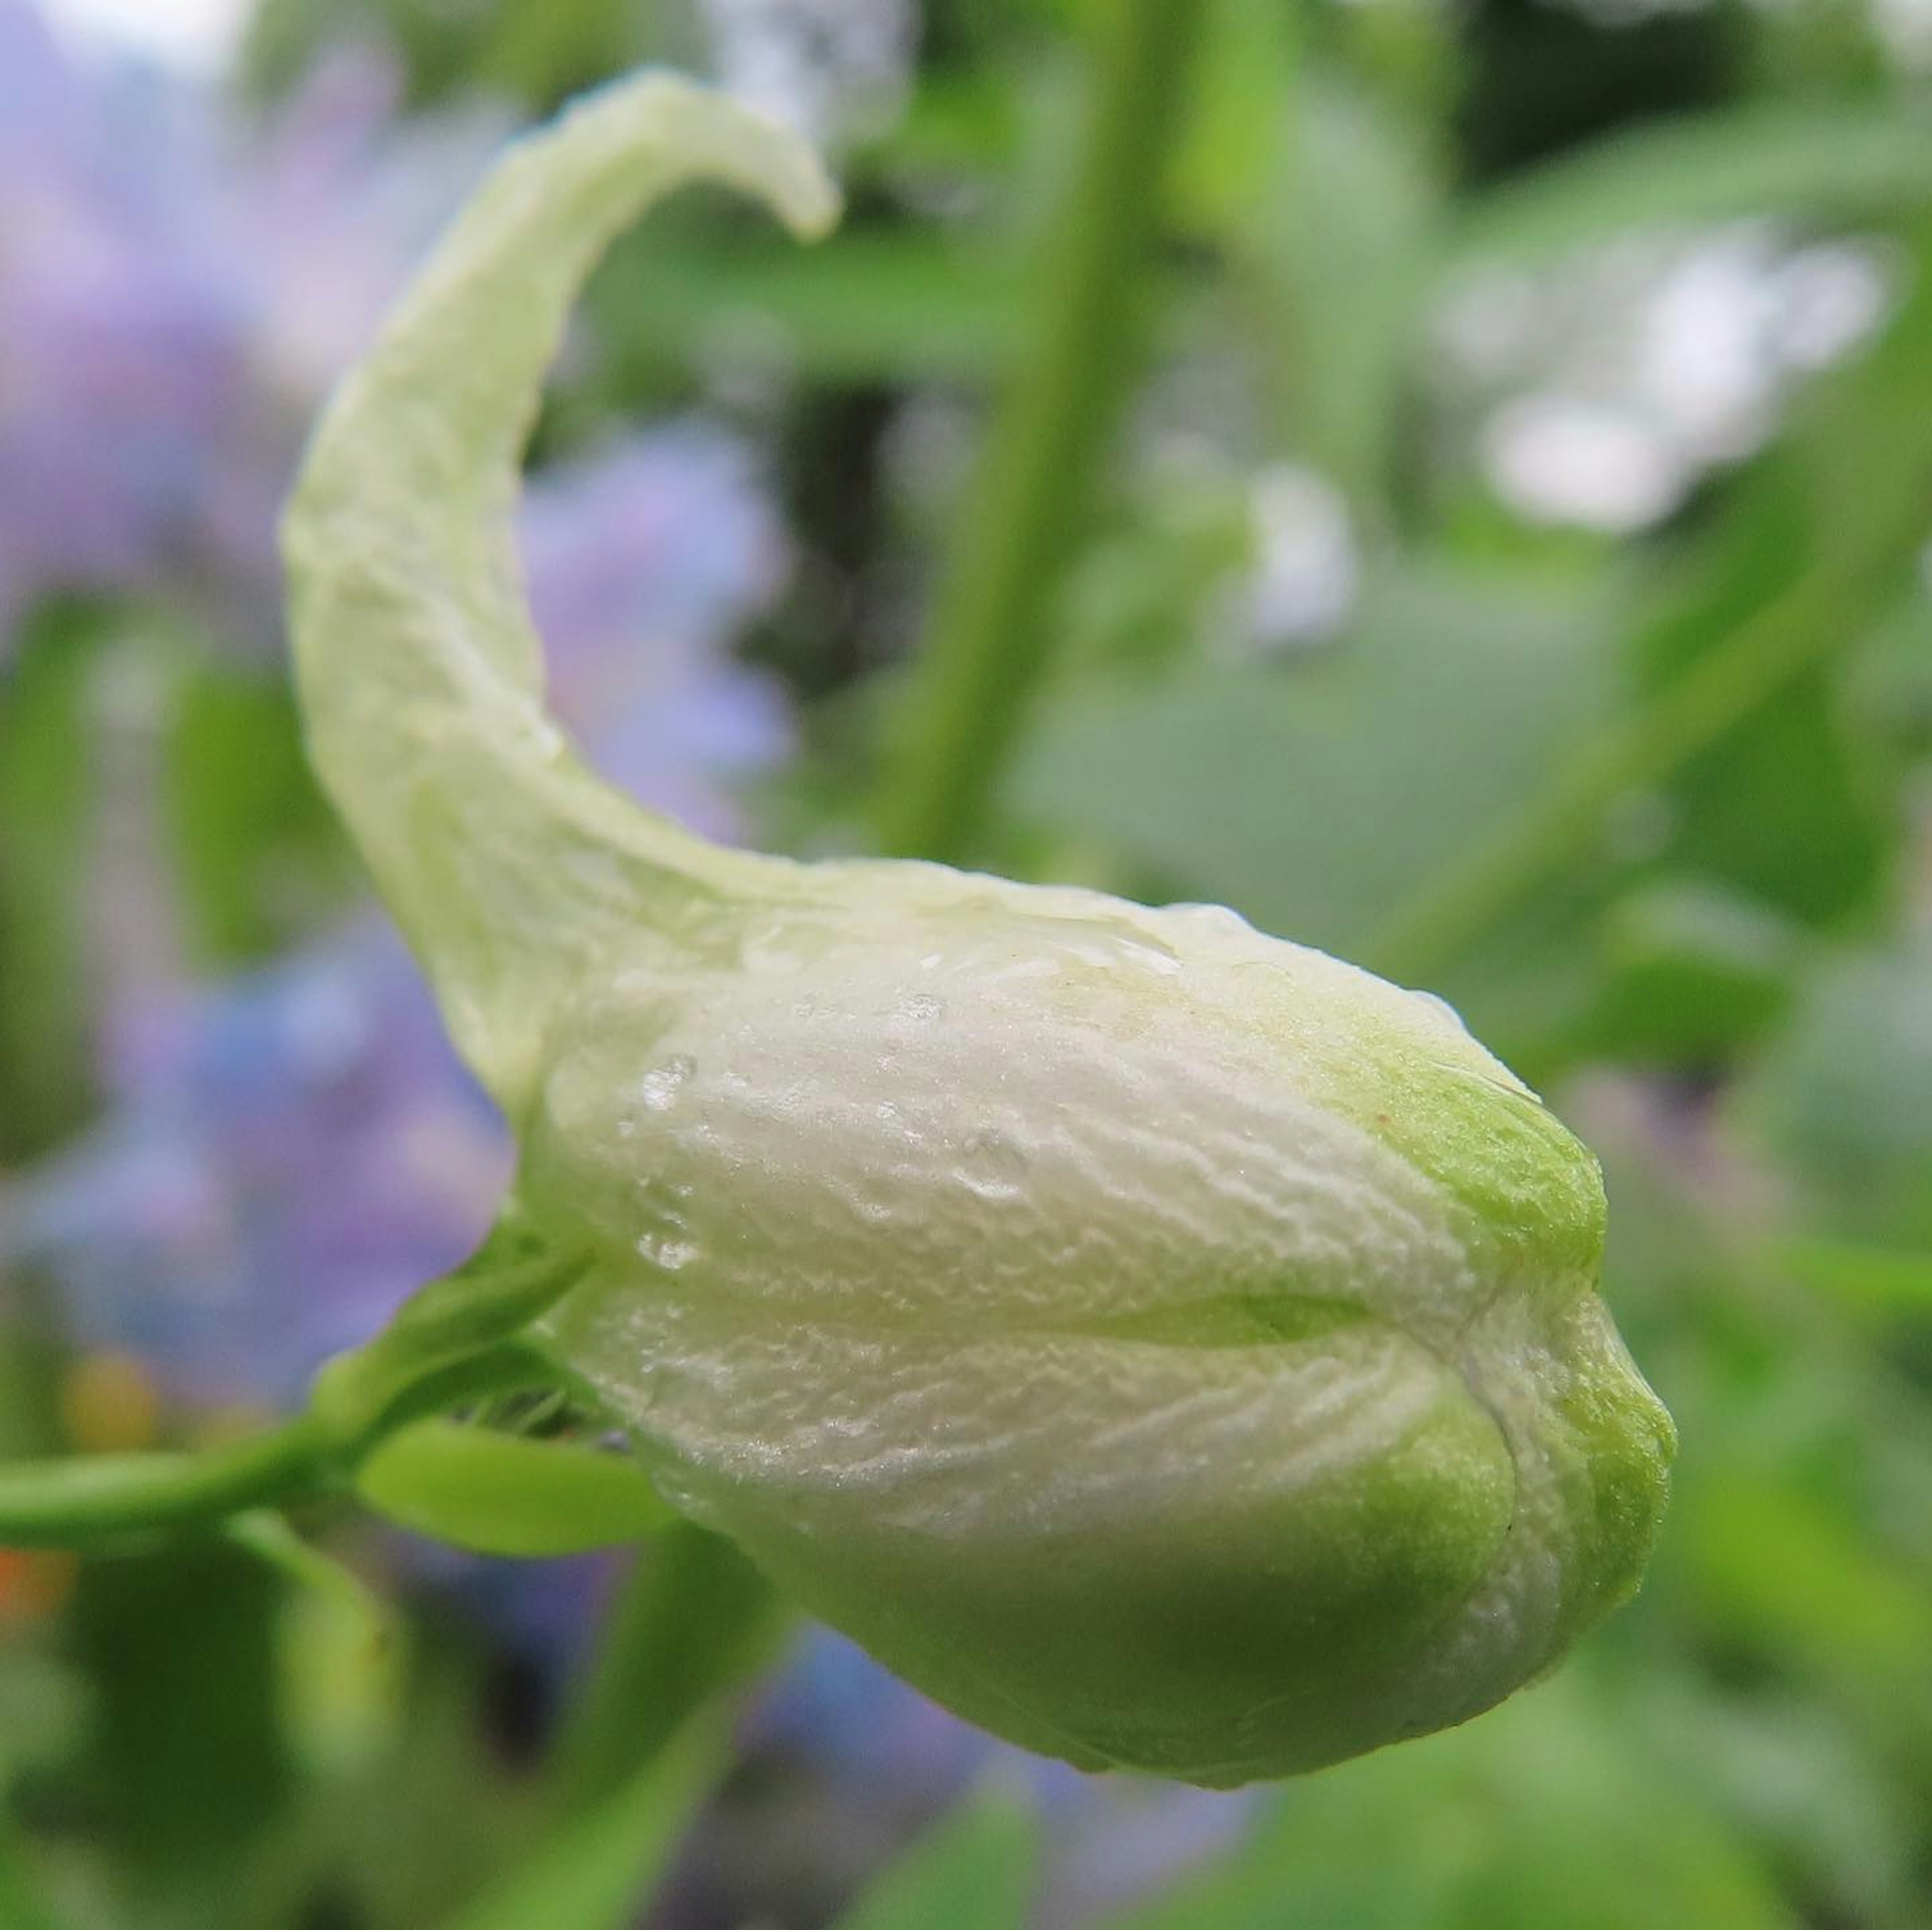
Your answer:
<point x="504" y="1494"/>
<point x="972" y="1871"/>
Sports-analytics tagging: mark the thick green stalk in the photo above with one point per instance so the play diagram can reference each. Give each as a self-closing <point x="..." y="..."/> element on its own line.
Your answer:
<point x="989" y="643"/>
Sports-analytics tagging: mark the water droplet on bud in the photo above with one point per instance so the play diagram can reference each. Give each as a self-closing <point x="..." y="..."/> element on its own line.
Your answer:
<point x="659" y="1087"/>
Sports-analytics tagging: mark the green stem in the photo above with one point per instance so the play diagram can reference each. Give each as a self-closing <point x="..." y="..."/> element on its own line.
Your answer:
<point x="89" y="1498"/>
<point x="435" y="1356"/>
<point x="990" y="642"/>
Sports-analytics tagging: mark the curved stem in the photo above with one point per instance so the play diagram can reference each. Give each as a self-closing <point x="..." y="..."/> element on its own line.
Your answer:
<point x="87" y="1498"/>
<point x="989" y="643"/>
<point x="458" y="1339"/>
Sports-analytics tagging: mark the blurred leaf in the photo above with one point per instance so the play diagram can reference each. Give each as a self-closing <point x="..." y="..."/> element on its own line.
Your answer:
<point x="1243" y="95"/>
<point x="1136" y="595"/>
<point x="973" y="1870"/>
<point x="1842" y="163"/>
<point x="46" y="778"/>
<point x="256" y="847"/>
<point x="1784" y="1570"/>
<point x="1881" y="1277"/>
<point x="1778" y="801"/>
<point x="502" y="1494"/>
<point x="45" y="1703"/>
<point x="25" y="1902"/>
<point x="1313" y="793"/>
<point x="1735" y="661"/>
<point x="181" y="1645"/>
<point x="1828" y="528"/>
<point x="270" y="1539"/>
<point x="531" y="50"/>
<point x="1694" y="970"/>
<point x="1844" y="1094"/>
<point x="342" y="1652"/>
<point x="908" y="305"/>
<point x="1545" y="1811"/>
<point x="1828" y="1819"/>
<point x="695" y="1619"/>
<point x="592" y="1873"/>
<point x="543" y="51"/>
<point x="1340" y="238"/>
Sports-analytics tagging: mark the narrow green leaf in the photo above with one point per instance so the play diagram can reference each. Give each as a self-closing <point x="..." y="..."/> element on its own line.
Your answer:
<point x="695" y="1619"/>
<point x="1889" y="1278"/>
<point x="591" y="1874"/>
<point x="973" y="1870"/>
<point x="1842" y="162"/>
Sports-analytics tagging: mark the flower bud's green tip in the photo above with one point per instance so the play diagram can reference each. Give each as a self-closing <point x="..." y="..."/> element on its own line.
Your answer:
<point x="1166" y="1345"/>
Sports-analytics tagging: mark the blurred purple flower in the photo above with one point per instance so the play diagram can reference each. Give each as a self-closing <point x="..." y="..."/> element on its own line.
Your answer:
<point x="287" y="1154"/>
<point x="178" y="289"/>
<point x="291" y="1153"/>
<point x="639" y="558"/>
<point x="284" y="1156"/>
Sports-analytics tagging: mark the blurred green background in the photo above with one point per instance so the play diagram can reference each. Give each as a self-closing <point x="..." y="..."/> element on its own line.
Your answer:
<point x="1452" y="482"/>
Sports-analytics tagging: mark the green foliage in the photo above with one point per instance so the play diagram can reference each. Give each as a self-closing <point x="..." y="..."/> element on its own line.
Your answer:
<point x="1552" y="1811"/>
<point x="1649" y="811"/>
<point x="1828" y="164"/>
<point x="256" y="854"/>
<point x="1258" y="784"/>
<point x="592" y="1873"/>
<point x="971" y="1871"/>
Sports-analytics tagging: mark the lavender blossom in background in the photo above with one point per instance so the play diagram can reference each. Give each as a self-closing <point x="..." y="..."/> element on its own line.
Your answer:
<point x="286" y="1155"/>
<point x="180" y="287"/>
<point x="640" y="558"/>
<point x="289" y="1153"/>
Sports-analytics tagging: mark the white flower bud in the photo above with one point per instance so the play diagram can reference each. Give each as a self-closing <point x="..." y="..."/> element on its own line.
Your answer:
<point x="1169" y="1346"/>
